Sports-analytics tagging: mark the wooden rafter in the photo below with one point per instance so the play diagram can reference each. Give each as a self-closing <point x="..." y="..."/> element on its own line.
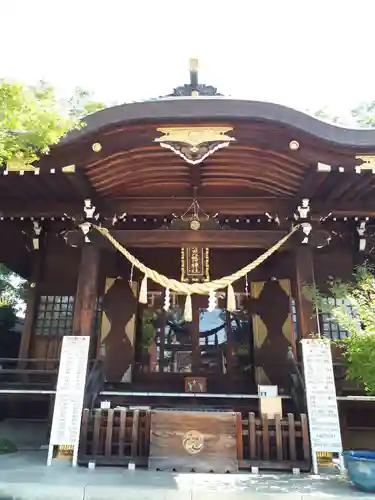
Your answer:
<point x="310" y="182"/>
<point x="342" y="183"/>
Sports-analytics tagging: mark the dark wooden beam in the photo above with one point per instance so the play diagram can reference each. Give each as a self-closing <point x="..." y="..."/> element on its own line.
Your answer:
<point x="87" y="291"/>
<point x="362" y="187"/>
<point x="306" y="314"/>
<point x="165" y="206"/>
<point x="82" y="185"/>
<point x="361" y="208"/>
<point x="212" y="239"/>
<point x="152" y="207"/>
<point x="343" y="184"/>
<point x="309" y="183"/>
<point x="37" y="258"/>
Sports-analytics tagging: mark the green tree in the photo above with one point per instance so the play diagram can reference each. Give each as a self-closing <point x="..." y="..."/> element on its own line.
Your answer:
<point x="327" y="114"/>
<point x="352" y="306"/>
<point x="364" y="114"/>
<point x="32" y="119"/>
<point x="13" y="292"/>
<point x="81" y="104"/>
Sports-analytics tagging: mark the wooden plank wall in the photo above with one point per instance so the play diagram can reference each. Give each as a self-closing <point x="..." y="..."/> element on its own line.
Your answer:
<point x="193" y="441"/>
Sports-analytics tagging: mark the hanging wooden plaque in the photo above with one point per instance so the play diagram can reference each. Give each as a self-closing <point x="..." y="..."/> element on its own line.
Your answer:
<point x="195" y="264"/>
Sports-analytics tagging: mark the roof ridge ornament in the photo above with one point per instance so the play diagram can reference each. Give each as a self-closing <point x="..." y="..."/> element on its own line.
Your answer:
<point x="194" y="88"/>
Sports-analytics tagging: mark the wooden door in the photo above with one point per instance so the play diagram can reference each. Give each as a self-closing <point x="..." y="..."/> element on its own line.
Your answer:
<point x="272" y="330"/>
<point x="118" y="329"/>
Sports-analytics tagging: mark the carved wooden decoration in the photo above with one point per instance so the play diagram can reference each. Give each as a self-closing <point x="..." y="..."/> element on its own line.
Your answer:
<point x="195" y="264"/>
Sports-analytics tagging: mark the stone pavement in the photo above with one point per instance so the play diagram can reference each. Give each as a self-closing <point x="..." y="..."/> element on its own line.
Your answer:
<point x="24" y="476"/>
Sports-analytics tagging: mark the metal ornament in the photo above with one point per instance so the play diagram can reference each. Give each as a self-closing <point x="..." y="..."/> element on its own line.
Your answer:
<point x="194" y="144"/>
<point x="195" y="225"/>
<point x="361" y="230"/>
<point x="368" y="163"/>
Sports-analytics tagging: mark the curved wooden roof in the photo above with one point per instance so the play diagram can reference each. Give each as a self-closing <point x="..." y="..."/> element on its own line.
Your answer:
<point x="134" y="174"/>
<point x="241" y="169"/>
<point x="191" y="109"/>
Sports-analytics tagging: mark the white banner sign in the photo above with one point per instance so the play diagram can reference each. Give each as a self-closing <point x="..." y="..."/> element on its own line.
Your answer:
<point x="324" y="423"/>
<point x="70" y="389"/>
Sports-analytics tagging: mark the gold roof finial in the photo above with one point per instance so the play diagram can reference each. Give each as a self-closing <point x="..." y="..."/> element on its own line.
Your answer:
<point x="193" y="66"/>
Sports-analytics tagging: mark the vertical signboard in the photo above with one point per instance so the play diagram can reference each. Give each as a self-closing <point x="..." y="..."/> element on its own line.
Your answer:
<point x="324" y="423"/>
<point x="71" y="381"/>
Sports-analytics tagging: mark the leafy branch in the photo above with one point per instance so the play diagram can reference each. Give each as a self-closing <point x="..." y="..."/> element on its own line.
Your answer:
<point x="352" y="306"/>
<point x="32" y="119"/>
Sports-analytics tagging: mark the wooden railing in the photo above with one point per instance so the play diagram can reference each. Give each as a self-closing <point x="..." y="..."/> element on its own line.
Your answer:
<point x="277" y="444"/>
<point x="115" y="437"/>
<point x="17" y="372"/>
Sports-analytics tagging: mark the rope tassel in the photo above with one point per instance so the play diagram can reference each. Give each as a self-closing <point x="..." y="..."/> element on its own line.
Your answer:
<point x="188" y="311"/>
<point x="143" y="291"/>
<point x="231" y="299"/>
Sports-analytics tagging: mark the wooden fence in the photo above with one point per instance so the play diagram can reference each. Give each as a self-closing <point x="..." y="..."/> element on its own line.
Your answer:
<point x="277" y="444"/>
<point x="115" y="437"/>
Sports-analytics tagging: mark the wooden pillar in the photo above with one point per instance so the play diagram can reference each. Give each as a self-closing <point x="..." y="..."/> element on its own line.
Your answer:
<point x="87" y="291"/>
<point x="32" y="305"/>
<point x="306" y="313"/>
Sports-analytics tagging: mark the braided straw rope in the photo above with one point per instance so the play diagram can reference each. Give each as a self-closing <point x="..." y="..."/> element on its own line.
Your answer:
<point x="190" y="288"/>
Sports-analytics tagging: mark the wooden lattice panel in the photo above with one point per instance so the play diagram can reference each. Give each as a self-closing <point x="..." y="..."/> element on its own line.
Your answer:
<point x="201" y="441"/>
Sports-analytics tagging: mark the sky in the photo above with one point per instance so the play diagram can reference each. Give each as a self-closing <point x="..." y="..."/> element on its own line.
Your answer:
<point x="301" y="53"/>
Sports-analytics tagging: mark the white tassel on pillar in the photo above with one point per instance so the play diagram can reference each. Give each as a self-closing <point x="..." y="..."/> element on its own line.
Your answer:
<point x="188" y="311"/>
<point x="143" y="291"/>
<point x="231" y="299"/>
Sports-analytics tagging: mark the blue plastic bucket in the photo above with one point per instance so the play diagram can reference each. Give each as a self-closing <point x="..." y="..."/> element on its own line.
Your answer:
<point x="360" y="465"/>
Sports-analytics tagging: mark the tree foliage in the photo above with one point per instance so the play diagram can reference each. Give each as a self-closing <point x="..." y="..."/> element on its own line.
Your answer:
<point x="362" y="116"/>
<point x="352" y="306"/>
<point x="13" y="292"/>
<point x="32" y="119"/>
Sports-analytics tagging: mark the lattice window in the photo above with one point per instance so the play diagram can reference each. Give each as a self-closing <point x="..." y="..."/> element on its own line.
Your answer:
<point x="328" y="327"/>
<point x="55" y="315"/>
